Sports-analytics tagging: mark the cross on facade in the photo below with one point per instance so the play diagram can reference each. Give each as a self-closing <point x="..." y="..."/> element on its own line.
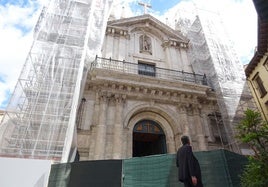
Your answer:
<point x="145" y="6"/>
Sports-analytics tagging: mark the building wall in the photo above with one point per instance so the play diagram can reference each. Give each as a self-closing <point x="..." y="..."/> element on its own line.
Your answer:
<point x="117" y="101"/>
<point x="260" y="70"/>
<point x="113" y="110"/>
<point x="124" y="45"/>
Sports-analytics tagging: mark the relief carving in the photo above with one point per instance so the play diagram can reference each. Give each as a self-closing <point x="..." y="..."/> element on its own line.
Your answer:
<point x="145" y="44"/>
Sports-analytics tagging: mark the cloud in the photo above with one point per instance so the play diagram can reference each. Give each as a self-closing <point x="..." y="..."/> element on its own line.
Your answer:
<point x="239" y="20"/>
<point x="18" y="19"/>
<point x="16" y="25"/>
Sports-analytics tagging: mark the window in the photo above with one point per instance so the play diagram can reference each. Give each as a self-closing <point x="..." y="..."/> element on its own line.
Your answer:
<point x="145" y="44"/>
<point x="265" y="64"/>
<point x="259" y="85"/>
<point x="146" y="69"/>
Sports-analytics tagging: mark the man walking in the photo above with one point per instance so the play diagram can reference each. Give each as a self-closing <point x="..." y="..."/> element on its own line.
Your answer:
<point x="189" y="168"/>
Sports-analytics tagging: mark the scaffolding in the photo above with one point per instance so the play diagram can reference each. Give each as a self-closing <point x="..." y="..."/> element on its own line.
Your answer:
<point x="211" y="52"/>
<point x="40" y="117"/>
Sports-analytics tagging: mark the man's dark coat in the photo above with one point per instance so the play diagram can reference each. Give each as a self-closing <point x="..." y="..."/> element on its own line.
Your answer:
<point x="188" y="165"/>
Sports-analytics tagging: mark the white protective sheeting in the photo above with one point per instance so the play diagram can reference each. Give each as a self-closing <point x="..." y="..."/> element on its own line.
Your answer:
<point x="16" y="172"/>
<point x="40" y="118"/>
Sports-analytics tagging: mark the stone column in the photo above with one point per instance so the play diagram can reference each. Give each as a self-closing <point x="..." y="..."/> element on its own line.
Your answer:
<point x="93" y="127"/>
<point x="168" y="56"/>
<point x="177" y="140"/>
<point x="118" y="128"/>
<point x="129" y="138"/>
<point x="199" y="129"/>
<point x="122" y="46"/>
<point x="207" y="127"/>
<point x="183" y="122"/>
<point x="100" y="140"/>
<point x="109" y="46"/>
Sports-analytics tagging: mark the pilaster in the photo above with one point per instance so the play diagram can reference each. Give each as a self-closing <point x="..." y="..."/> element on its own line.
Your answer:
<point x="100" y="139"/>
<point x="183" y="120"/>
<point x="118" y="127"/>
<point x="199" y="128"/>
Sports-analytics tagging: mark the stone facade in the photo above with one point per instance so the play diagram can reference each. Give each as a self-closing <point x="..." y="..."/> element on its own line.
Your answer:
<point x="144" y="74"/>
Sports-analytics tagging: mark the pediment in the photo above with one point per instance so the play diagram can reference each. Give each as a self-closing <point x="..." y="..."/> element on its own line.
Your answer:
<point x="149" y="22"/>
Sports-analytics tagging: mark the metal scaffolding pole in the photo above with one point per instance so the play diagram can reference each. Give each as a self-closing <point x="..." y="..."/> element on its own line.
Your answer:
<point x="40" y="118"/>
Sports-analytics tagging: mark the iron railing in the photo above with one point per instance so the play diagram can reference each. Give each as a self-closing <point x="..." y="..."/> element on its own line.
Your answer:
<point x="162" y="73"/>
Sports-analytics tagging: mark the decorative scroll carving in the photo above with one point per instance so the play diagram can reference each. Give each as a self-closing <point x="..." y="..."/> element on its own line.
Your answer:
<point x="103" y="97"/>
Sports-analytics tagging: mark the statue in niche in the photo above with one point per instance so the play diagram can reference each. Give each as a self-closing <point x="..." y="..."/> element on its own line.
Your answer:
<point x="145" y="44"/>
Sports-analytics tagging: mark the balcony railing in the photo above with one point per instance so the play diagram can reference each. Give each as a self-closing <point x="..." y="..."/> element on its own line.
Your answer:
<point x="132" y="68"/>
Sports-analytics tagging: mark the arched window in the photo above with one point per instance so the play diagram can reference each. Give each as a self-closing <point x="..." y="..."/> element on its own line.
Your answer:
<point x="145" y="44"/>
<point x="148" y="139"/>
<point x="148" y="126"/>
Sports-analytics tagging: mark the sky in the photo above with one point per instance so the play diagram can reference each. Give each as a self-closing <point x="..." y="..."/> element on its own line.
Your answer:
<point x="18" y="18"/>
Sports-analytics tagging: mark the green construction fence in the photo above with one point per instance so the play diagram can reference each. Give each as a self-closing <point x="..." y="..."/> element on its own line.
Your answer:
<point x="220" y="168"/>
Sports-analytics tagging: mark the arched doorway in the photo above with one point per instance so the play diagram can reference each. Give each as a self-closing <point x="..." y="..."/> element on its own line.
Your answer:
<point x="148" y="139"/>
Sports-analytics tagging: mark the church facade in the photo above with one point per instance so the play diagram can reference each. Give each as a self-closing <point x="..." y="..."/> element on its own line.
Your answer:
<point x="142" y="94"/>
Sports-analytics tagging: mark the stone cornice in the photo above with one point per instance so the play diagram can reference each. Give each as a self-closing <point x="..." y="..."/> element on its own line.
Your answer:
<point x="148" y="20"/>
<point x="117" y="31"/>
<point x="174" y="43"/>
<point x="103" y="75"/>
<point x="147" y="88"/>
<point x="106" y="95"/>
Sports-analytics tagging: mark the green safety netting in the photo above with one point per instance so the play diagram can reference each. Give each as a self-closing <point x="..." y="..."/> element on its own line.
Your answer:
<point x="101" y="173"/>
<point x="158" y="170"/>
<point x="220" y="168"/>
<point x="59" y="175"/>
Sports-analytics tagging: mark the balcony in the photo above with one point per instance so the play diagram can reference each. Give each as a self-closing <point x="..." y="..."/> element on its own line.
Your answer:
<point x="149" y="70"/>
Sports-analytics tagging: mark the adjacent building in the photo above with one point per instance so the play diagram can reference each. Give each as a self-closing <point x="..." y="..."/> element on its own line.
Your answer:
<point x="257" y="70"/>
